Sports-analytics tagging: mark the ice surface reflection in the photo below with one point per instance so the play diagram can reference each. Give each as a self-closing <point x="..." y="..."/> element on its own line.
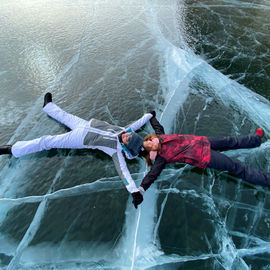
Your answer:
<point x="68" y="209"/>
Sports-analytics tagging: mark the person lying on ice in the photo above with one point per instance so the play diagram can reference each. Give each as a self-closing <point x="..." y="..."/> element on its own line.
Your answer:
<point x="93" y="134"/>
<point x="199" y="151"/>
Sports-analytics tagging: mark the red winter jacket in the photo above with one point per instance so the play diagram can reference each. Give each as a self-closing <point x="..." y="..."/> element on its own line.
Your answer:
<point x="191" y="149"/>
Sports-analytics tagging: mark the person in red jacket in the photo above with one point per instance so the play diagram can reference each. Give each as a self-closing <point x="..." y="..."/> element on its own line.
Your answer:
<point x="199" y="151"/>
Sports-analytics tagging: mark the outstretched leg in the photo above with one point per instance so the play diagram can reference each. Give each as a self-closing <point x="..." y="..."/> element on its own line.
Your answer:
<point x="61" y="116"/>
<point x="69" y="140"/>
<point x="235" y="142"/>
<point x="222" y="162"/>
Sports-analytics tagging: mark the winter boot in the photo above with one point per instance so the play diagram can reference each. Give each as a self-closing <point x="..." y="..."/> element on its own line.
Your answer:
<point x="47" y="99"/>
<point x="259" y="132"/>
<point x="5" y="149"/>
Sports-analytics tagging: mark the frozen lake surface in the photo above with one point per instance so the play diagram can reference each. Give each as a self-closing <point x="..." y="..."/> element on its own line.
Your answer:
<point x="204" y="66"/>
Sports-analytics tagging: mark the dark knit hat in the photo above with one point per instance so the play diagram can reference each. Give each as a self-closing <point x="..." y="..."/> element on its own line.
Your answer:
<point x="135" y="144"/>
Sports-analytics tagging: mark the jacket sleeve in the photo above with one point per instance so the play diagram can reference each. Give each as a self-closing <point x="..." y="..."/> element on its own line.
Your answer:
<point x="158" y="128"/>
<point x="153" y="174"/>
<point x="139" y="123"/>
<point x="121" y="168"/>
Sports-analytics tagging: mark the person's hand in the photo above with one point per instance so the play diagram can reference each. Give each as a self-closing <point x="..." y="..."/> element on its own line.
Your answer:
<point x="137" y="198"/>
<point x="153" y="113"/>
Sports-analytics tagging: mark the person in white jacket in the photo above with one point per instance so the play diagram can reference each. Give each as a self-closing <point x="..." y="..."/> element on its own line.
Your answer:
<point x="93" y="134"/>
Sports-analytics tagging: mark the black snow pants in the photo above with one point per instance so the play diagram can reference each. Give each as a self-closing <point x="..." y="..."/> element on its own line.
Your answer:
<point x="219" y="161"/>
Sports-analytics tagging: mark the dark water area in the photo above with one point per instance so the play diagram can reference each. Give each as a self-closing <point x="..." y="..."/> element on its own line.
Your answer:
<point x="233" y="37"/>
<point x="203" y="66"/>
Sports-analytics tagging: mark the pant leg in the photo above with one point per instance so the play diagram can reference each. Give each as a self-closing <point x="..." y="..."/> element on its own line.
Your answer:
<point x="69" y="140"/>
<point x="222" y="162"/>
<point x="63" y="117"/>
<point x="234" y="142"/>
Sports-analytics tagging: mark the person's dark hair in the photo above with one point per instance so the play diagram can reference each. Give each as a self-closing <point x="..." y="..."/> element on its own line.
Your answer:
<point x="146" y="155"/>
<point x="148" y="160"/>
<point x="146" y="152"/>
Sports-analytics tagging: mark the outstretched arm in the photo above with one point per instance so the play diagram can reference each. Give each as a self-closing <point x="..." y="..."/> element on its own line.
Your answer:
<point x="158" y="128"/>
<point x="153" y="174"/>
<point x="121" y="167"/>
<point x="140" y="122"/>
<point x="125" y="176"/>
<point x="159" y="163"/>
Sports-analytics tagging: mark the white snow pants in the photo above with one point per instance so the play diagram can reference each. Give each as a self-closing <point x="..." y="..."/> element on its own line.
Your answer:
<point x="71" y="140"/>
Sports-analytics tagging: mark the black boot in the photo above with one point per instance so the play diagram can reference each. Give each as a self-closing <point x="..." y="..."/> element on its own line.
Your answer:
<point x="5" y="149"/>
<point x="47" y="99"/>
